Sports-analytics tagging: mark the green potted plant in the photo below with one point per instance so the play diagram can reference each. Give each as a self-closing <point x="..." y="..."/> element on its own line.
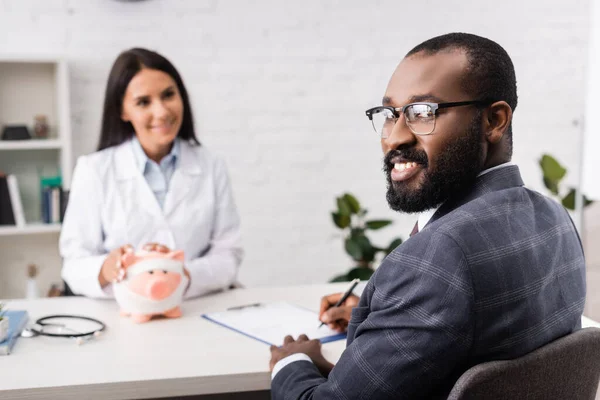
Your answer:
<point x="350" y="218"/>
<point x="553" y="173"/>
<point x="3" y="323"/>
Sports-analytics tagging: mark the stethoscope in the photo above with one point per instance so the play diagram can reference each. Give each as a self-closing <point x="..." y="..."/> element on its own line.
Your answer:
<point x="38" y="328"/>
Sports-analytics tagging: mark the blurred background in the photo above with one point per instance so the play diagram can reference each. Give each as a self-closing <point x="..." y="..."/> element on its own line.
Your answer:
<point x="279" y="89"/>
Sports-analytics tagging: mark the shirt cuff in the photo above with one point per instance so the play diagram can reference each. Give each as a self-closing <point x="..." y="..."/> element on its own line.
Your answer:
<point x="360" y="288"/>
<point x="288" y="360"/>
<point x="108" y="290"/>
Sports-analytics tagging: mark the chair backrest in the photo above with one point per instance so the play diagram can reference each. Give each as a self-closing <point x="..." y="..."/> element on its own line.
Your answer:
<point x="568" y="368"/>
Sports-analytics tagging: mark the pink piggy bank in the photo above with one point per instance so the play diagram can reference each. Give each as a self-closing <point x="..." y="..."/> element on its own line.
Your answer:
<point x="153" y="285"/>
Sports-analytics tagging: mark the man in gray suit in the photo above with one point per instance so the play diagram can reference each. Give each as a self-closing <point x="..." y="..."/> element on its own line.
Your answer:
<point x="492" y="271"/>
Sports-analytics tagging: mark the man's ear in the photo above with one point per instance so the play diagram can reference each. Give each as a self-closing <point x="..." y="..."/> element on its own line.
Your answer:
<point x="497" y="120"/>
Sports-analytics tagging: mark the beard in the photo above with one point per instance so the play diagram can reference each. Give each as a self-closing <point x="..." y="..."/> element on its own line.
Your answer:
<point x="455" y="171"/>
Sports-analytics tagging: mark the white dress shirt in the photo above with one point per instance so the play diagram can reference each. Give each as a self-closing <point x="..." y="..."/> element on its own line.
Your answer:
<point x="158" y="175"/>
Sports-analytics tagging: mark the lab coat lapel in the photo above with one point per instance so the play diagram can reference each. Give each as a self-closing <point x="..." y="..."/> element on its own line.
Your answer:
<point x="184" y="178"/>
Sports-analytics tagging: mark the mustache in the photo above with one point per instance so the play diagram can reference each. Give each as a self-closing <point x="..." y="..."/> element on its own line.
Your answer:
<point x="410" y="155"/>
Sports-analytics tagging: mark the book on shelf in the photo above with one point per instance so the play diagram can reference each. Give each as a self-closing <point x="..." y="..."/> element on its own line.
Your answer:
<point x="11" y="207"/>
<point x="7" y="216"/>
<point x="15" y="200"/>
<point x="52" y="204"/>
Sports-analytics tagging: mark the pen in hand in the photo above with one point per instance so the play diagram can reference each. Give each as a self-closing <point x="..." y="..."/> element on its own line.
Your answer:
<point x="347" y="294"/>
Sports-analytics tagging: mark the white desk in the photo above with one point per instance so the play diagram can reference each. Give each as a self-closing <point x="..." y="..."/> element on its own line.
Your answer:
<point x="589" y="323"/>
<point x="165" y="357"/>
<point x="178" y="357"/>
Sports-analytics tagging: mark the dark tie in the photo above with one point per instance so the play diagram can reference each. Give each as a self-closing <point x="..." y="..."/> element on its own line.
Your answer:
<point x="415" y="229"/>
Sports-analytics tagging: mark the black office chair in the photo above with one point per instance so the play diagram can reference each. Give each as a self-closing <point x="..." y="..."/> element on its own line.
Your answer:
<point x="568" y="368"/>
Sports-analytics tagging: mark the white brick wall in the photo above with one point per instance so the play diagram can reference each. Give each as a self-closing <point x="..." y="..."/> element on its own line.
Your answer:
<point x="280" y="88"/>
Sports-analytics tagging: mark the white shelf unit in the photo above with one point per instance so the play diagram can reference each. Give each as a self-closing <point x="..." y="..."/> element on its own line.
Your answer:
<point x="29" y="229"/>
<point x="33" y="144"/>
<point x="32" y="85"/>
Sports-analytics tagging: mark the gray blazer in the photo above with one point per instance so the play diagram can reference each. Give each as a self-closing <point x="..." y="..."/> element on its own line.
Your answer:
<point x="494" y="275"/>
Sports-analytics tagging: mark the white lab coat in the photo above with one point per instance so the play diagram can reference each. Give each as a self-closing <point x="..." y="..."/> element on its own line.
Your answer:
<point x="111" y="205"/>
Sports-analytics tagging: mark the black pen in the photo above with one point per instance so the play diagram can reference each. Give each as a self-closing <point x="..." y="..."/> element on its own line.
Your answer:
<point x="345" y="296"/>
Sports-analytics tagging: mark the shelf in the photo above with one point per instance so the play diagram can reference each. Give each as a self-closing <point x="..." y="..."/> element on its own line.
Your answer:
<point x="31" y="58"/>
<point x="31" y="144"/>
<point x="29" y="229"/>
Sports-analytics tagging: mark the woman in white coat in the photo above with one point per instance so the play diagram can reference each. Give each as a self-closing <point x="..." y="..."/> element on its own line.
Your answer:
<point x="150" y="183"/>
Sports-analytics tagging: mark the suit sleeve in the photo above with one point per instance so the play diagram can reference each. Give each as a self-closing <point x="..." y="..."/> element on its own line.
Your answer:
<point x="408" y="337"/>
<point x="218" y="267"/>
<point x="81" y="239"/>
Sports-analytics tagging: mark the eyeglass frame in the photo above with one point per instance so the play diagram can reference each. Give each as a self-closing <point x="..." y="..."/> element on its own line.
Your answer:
<point x="397" y="111"/>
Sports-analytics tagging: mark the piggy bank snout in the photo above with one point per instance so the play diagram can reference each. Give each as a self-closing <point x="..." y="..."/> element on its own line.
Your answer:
<point x="160" y="286"/>
<point x="158" y="289"/>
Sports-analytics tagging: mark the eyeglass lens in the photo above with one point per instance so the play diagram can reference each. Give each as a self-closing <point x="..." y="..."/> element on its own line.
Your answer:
<point x="420" y="118"/>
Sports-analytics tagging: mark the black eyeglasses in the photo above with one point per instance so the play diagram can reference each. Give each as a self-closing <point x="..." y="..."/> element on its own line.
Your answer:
<point x="419" y="117"/>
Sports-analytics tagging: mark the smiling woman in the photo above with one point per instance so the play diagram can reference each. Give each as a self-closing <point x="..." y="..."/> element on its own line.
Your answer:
<point x="153" y="106"/>
<point x="139" y="82"/>
<point x="150" y="182"/>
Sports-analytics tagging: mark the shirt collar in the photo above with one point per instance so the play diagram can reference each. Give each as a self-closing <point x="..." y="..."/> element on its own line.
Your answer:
<point x="426" y="216"/>
<point x="506" y="164"/>
<point x="141" y="159"/>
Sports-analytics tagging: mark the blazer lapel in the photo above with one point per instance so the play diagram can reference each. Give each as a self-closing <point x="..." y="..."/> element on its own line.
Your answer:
<point x="184" y="178"/>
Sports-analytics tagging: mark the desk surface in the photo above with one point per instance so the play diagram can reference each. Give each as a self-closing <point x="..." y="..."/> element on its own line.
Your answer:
<point x="176" y="357"/>
<point x="164" y="357"/>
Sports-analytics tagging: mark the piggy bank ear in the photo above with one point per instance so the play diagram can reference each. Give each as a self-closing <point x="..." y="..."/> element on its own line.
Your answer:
<point x="176" y="255"/>
<point x="128" y="259"/>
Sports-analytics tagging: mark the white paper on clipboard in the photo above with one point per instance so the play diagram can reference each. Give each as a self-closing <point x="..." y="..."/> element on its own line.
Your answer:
<point x="271" y="322"/>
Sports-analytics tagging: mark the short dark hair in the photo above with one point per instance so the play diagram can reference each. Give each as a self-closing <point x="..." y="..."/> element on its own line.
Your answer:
<point x="490" y="74"/>
<point x="114" y="130"/>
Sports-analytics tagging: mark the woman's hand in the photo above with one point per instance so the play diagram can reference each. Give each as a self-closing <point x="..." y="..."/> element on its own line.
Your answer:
<point x="111" y="270"/>
<point x="161" y="248"/>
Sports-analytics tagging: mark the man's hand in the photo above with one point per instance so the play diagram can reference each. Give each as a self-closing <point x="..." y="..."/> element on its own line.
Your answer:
<point x="311" y="348"/>
<point x="337" y="318"/>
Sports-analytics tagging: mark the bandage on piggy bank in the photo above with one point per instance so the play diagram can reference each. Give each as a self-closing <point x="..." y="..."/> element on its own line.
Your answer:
<point x="153" y="285"/>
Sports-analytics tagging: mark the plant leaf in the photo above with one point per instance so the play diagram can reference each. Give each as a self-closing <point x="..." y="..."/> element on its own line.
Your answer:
<point x="551" y="185"/>
<point x="343" y="207"/>
<point x="377" y="224"/>
<point x="361" y="273"/>
<point x="355" y="232"/>
<point x="552" y="168"/>
<point x="341" y="221"/>
<point x="366" y="248"/>
<point x="395" y="243"/>
<point x="353" y="248"/>
<point x="341" y="278"/>
<point x="569" y="200"/>
<point x="352" y="203"/>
